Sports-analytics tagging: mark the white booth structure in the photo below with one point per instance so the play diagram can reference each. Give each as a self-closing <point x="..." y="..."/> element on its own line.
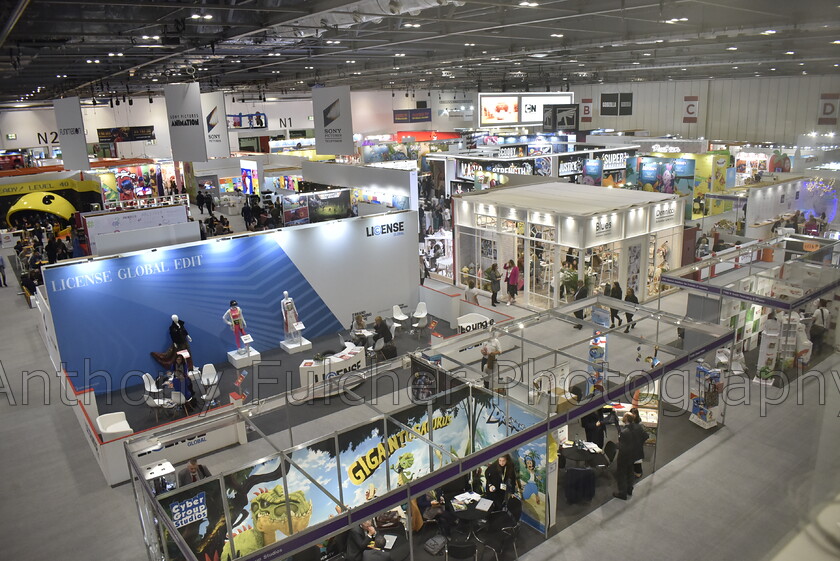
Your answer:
<point x="557" y="232"/>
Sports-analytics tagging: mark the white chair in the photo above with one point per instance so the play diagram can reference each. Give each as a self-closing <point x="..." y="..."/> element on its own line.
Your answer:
<point x="211" y="390"/>
<point x="398" y="316"/>
<point x="179" y="400"/>
<point x="420" y="325"/>
<point x="376" y="349"/>
<point x="113" y="425"/>
<point x="195" y="376"/>
<point x="421" y="311"/>
<point x="150" y="386"/>
<point x="208" y="372"/>
<point x="155" y="404"/>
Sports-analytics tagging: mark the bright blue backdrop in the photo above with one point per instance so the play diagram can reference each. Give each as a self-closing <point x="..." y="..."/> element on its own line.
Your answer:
<point x="112" y="327"/>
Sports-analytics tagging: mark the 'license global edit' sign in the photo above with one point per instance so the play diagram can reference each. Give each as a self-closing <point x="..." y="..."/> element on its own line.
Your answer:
<point x="395" y="228"/>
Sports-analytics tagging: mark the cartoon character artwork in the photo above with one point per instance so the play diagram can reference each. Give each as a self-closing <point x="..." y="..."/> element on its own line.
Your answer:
<point x="667" y="179"/>
<point x="404" y="462"/>
<point x="529" y="477"/>
<point x="268" y="516"/>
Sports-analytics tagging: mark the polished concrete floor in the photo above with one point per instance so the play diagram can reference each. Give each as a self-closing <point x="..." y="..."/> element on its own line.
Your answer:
<point x="740" y="494"/>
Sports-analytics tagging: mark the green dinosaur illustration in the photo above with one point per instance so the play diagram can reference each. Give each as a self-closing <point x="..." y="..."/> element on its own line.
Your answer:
<point x="404" y="462"/>
<point x="268" y="514"/>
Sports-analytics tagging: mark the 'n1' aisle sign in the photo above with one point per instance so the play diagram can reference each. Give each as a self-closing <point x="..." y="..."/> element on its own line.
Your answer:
<point x="71" y="133"/>
<point x="186" y="122"/>
<point x="333" y="121"/>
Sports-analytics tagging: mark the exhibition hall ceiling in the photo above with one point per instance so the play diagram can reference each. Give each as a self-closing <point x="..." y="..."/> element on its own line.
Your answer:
<point x="133" y="47"/>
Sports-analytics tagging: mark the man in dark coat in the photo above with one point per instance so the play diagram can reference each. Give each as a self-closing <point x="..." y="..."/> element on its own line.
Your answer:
<point x="628" y="449"/>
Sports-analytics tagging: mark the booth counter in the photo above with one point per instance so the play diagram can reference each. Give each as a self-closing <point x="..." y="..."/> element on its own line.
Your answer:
<point x="559" y="232"/>
<point x="315" y="371"/>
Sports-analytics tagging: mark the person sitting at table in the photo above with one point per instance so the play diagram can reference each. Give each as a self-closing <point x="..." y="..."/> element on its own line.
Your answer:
<point x="432" y="506"/>
<point x="356" y="330"/>
<point x="192" y="473"/>
<point x="381" y="329"/>
<point x="377" y="552"/>
<point x="501" y="480"/>
<point x="358" y="540"/>
<point x="181" y="383"/>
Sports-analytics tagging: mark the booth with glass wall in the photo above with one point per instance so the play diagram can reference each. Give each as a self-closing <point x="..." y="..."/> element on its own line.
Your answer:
<point x="302" y="475"/>
<point x="557" y="233"/>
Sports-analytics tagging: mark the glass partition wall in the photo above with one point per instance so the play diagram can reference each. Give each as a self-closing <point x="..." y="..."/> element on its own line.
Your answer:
<point x="379" y="458"/>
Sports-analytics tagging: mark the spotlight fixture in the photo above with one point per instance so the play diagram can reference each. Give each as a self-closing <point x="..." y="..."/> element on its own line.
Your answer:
<point x="150" y="99"/>
<point x="411" y="25"/>
<point x="731" y="48"/>
<point x="130" y="101"/>
<point x="557" y="35"/>
<point x="527" y="4"/>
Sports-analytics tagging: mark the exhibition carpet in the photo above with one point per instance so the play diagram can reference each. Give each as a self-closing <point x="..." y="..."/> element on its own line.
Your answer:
<point x="277" y="374"/>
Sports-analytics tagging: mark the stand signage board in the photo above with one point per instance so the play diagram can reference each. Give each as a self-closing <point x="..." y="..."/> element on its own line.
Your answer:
<point x="333" y="121"/>
<point x="71" y="133"/>
<point x="125" y="134"/>
<point x="186" y="124"/>
<point x="215" y="122"/>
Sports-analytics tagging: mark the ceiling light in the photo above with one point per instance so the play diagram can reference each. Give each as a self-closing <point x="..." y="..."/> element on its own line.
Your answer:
<point x="734" y="68"/>
<point x="538" y="55"/>
<point x="154" y="79"/>
<point x="208" y="16"/>
<point x="309" y="67"/>
<point x="96" y="61"/>
<point x="400" y="54"/>
<point x="469" y="44"/>
<point x="350" y="62"/>
<point x="88" y="61"/>
<point x="333" y="42"/>
<point x="731" y="48"/>
<point x="683" y="69"/>
<point x="769" y="32"/>
<point x="110" y="54"/>
<point x="647" y="54"/>
<point x="145" y="37"/>
<point x="155" y="37"/>
<point x="557" y="35"/>
<point x="527" y="4"/>
<point x="411" y="25"/>
<point x="636" y="62"/>
<point x="195" y="16"/>
<point x="772" y="69"/>
<point x="790" y="52"/>
<point x="835" y="42"/>
<point x="119" y="54"/>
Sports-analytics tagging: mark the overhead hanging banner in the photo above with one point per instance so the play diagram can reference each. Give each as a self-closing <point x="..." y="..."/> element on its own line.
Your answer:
<point x="126" y="134"/>
<point x="215" y="124"/>
<point x="71" y="133"/>
<point x="691" y="108"/>
<point x="333" y="121"/>
<point x="186" y="124"/>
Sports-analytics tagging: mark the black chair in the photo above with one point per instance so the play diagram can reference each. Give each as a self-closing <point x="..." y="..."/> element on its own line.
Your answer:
<point x="503" y="528"/>
<point x="458" y="550"/>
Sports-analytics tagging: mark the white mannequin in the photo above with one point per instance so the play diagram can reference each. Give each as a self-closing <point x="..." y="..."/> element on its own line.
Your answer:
<point x="290" y="318"/>
<point x="175" y="320"/>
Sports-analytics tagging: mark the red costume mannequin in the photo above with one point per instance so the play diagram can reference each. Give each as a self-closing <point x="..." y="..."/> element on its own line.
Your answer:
<point x="234" y="318"/>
